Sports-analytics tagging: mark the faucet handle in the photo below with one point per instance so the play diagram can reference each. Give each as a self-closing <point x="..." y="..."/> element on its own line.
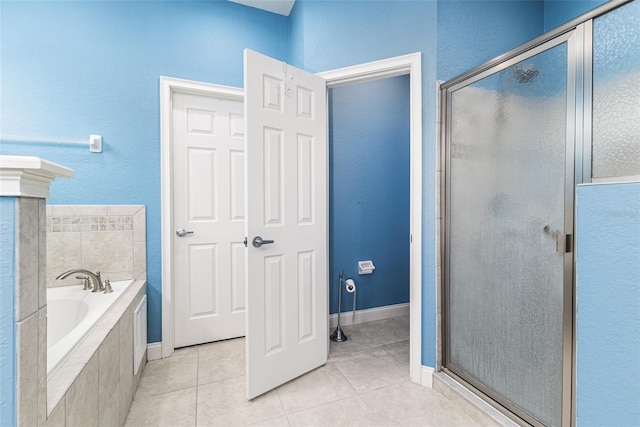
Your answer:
<point x="107" y="287"/>
<point x="87" y="283"/>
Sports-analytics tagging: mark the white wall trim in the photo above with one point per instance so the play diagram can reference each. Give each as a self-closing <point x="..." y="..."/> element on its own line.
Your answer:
<point x="154" y="351"/>
<point x="28" y="176"/>
<point x="369" y="315"/>
<point x="427" y="376"/>
<point x="169" y="86"/>
<point x="411" y="65"/>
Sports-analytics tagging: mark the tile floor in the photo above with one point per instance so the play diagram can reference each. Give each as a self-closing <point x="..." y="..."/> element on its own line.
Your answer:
<point x="364" y="383"/>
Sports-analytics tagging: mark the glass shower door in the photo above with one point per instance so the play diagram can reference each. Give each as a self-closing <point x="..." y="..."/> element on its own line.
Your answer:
<point x="507" y="214"/>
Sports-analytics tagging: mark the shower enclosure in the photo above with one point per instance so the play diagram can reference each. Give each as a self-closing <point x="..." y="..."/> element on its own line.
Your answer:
<point x="519" y="133"/>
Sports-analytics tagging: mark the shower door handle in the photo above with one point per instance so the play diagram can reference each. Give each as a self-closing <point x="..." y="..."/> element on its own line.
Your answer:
<point x="564" y="243"/>
<point x="259" y="241"/>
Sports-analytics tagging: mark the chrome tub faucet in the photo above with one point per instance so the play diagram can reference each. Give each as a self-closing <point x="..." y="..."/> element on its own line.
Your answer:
<point x="98" y="286"/>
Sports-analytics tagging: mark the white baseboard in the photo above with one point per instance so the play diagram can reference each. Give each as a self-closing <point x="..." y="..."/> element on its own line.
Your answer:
<point x="427" y="376"/>
<point x="154" y="351"/>
<point x="369" y="315"/>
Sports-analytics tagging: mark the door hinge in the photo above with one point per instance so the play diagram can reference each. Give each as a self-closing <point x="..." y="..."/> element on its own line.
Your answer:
<point x="245" y="242"/>
<point x="564" y="243"/>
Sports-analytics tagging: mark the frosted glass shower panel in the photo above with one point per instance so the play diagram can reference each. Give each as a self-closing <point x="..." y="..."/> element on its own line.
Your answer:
<point x="616" y="93"/>
<point x="507" y="186"/>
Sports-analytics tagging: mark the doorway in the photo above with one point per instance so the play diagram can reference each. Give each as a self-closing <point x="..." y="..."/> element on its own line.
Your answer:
<point x="408" y="64"/>
<point x="369" y="202"/>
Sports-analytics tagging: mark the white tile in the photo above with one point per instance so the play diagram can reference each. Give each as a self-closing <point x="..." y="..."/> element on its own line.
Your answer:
<point x="412" y="404"/>
<point x="224" y="403"/>
<point x="27" y="250"/>
<point x="109" y="379"/>
<point x="221" y="360"/>
<point x="347" y="412"/>
<point x="82" y="397"/>
<point x="174" y="409"/>
<point x="140" y="260"/>
<point x="126" y="364"/>
<point x="42" y="255"/>
<point x="107" y="252"/>
<point x="139" y="225"/>
<point x="275" y="422"/>
<point x="78" y="210"/>
<point x="64" y="252"/>
<point x="357" y="341"/>
<point x="370" y="371"/>
<point x="167" y="375"/>
<point x="57" y="417"/>
<point x="386" y="331"/>
<point x="42" y="364"/>
<point x="322" y="385"/>
<point x="123" y="210"/>
<point x="27" y="371"/>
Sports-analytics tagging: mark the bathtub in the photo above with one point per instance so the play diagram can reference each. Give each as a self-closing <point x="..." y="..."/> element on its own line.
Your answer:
<point x="71" y="315"/>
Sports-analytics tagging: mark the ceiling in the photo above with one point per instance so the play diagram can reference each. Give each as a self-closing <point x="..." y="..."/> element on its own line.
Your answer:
<point x="282" y="7"/>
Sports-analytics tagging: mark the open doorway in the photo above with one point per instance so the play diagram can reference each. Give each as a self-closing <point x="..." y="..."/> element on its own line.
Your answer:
<point x="369" y="214"/>
<point x="404" y="65"/>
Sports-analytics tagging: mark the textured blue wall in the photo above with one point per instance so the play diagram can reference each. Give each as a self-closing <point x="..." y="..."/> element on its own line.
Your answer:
<point x="70" y="69"/>
<point x="558" y="12"/>
<point x="369" y="191"/>
<point x="7" y="312"/>
<point x="471" y="33"/>
<point x="608" y="295"/>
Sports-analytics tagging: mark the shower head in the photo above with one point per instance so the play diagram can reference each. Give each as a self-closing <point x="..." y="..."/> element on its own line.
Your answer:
<point x="525" y="74"/>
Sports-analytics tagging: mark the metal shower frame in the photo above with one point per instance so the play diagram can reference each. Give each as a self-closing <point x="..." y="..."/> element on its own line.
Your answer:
<point x="578" y="34"/>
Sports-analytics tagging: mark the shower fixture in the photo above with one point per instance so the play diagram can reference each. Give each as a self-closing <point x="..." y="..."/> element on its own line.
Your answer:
<point x="526" y="73"/>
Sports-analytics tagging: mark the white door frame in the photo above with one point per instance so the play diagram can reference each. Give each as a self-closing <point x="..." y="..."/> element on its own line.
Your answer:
<point x="169" y="86"/>
<point x="401" y="65"/>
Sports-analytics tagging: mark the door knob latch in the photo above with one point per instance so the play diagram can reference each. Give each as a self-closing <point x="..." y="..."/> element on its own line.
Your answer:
<point x="182" y="232"/>
<point x="259" y="241"/>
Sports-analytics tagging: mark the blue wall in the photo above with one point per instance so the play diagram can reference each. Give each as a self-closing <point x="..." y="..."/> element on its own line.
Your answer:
<point x="7" y="312"/>
<point x="558" y="12"/>
<point x="71" y="69"/>
<point x="369" y="191"/>
<point x="608" y="298"/>
<point x="471" y="33"/>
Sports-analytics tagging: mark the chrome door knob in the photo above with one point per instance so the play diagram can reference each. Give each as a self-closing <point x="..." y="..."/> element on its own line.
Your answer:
<point x="182" y="232"/>
<point x="259" y="241"/>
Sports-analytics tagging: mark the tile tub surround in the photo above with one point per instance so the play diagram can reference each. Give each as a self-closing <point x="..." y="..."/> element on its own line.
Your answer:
<point x="95" y="385"/>
<point x="31" y="309"/>
<point x="106" y="238"/>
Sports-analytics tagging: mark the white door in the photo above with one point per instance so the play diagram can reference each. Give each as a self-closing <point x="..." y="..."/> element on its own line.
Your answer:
<point x="208" y="190"/>
<point x="287" y="290"/>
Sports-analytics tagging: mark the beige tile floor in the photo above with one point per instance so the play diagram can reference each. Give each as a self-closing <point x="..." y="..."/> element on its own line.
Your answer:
<point x="364" y="383"/>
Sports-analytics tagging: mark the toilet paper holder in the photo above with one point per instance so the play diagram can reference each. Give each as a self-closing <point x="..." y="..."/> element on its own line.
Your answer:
<point x="366" y="267"/>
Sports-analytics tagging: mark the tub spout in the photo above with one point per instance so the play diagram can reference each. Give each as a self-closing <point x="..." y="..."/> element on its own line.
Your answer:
<point x="95" y="277"/>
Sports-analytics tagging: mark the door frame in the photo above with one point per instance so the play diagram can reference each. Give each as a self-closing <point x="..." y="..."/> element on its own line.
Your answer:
<point x="169" y="86"/>
<point x="410" y="64"/>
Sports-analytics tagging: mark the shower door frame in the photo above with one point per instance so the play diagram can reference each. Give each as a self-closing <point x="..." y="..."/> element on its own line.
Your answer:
<point x="578" y="34"/>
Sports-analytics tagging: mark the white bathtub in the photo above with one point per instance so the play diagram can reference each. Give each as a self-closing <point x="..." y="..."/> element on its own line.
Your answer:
<point x="71" y="314"/>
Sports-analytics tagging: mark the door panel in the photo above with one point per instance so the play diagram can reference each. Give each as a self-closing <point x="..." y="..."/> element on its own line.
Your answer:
<point x="208" y="162"/>
<point x="287" y="307"/>
<point x="506" y="208"/>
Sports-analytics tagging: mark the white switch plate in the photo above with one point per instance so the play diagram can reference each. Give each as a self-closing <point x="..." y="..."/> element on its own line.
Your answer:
<point x="95" y="143"/>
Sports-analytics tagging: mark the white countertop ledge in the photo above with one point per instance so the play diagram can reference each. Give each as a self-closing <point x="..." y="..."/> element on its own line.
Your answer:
<point x="28" y="176"/>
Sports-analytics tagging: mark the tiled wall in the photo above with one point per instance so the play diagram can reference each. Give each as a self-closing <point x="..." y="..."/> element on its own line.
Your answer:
<point x="106" y="238"/>
<point x="31" y="310"/>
